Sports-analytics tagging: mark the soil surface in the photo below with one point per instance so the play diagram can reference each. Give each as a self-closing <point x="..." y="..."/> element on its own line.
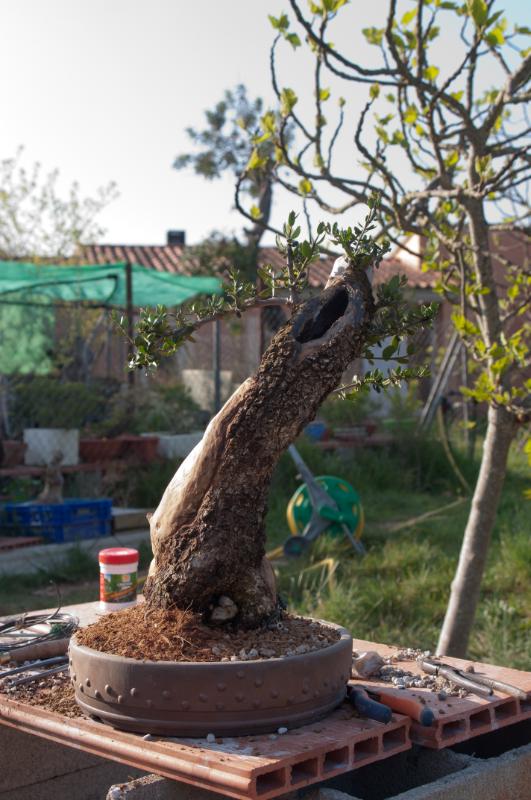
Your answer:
<point x="172" y="635"/>
<point x="55" y="693"/>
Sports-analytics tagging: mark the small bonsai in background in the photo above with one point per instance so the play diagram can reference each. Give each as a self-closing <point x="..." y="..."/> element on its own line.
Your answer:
<point x="207" y="533"/>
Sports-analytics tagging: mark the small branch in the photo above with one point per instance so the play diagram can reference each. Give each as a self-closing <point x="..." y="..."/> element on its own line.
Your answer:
<point x="293" y="293"/>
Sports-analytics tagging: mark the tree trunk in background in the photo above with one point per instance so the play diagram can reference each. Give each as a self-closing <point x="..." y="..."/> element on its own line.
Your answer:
<point x="208" y="533"/>
<point x="464" y="596"/>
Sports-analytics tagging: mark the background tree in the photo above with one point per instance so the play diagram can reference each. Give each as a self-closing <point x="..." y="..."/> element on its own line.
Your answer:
<point x="230" y="142"/>
<point x="450" y="161"/>
<point x="37" y="220"/>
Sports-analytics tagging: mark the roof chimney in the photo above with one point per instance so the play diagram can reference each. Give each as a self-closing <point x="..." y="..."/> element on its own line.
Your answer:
<point x="176" y="237"/>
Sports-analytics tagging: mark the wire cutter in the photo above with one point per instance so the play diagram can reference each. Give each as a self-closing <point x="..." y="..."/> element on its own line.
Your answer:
<point x="472" y="681"/>
<point x="378" y="704"/>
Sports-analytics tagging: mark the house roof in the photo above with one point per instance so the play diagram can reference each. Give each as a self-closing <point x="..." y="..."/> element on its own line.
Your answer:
<point x="168" y="258"/>
<point x="162" y="258"/>
<point x="396" y="264"/>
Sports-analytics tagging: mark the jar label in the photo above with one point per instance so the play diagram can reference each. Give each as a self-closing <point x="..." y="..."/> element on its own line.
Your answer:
<point x="118" y="588"/>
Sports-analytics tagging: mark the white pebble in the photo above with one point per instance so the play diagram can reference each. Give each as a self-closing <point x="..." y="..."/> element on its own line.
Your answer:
<point x="148" y="737"/>
<point x="115" y="793"/>
<point x="210" y="738"/>
<point x="282" y="731"/>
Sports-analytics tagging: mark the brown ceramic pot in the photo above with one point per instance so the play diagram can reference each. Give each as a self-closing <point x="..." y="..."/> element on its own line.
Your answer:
<point x="100" y="449"/>
<point x="224" y="698"/>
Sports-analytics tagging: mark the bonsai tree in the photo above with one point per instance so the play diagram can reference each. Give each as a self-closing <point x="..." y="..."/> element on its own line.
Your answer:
<point x="208" y="534"/>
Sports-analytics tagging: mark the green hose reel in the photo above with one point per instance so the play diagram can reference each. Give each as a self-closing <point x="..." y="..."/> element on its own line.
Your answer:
<point x="344" y="516"/>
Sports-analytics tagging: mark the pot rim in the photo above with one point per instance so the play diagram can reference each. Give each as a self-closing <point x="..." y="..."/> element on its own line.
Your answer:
<point x="344" y="634"/>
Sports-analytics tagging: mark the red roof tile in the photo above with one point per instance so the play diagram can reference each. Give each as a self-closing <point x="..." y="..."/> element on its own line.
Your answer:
<point x="162" y="258"/>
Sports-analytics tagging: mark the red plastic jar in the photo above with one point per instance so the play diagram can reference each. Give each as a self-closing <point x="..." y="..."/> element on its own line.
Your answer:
<point x="118" y="578"/>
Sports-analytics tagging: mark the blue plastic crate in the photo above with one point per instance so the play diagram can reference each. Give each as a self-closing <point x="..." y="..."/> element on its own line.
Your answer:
<point x="69" y="521"/>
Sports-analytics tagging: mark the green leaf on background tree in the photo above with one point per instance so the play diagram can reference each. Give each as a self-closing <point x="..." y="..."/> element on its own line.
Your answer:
<point x="374" y="91"/>
<point x="409" y="16"/>
<point x="255" y="161"/>
<point x="305" y="186"/>
<point x="410" y="115"/>
<point x="255" y="212"/>
<point x="373" y="35"/>
<point x="293" y="39"/>
<point x="279" y="23"/>
<point x="495" y="37"/>
<point x="478" y="10"/>
<point x="324" y="94"/>
<point x="288" y="99"/>
<point x="430" y="73"/>
<point x="269" y="122"/>
<point x="452" y="158"/>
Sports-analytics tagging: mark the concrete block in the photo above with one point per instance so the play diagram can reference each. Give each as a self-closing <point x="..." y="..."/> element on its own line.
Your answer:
<point x="37" y="769"/>
<point x="506" y="777"/>
<point x="400" y="773"/>
<point x="153" y="787"/>
<point x="85" y="784"/>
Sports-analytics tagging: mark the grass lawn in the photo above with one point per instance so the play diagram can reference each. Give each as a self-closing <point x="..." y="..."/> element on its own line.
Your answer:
<point x="398" y="592"/>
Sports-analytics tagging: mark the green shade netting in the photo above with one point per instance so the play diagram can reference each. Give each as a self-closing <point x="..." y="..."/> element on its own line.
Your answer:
<point x="103" y="285"/>
<point x="28" y="293"/>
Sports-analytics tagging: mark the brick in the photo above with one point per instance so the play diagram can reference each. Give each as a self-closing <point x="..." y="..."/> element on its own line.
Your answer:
<point x="246" y="767"/>
<point x="459" y="719"/>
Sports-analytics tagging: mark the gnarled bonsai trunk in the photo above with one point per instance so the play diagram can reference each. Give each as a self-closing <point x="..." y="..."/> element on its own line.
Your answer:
<point x="208" y="533"/>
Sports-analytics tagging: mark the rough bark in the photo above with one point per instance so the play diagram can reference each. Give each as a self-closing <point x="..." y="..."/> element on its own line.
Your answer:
<point x="208" y="533"/>
<point x="464" y="595"/>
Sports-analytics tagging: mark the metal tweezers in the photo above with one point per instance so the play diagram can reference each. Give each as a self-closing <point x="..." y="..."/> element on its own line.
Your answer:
<point x="479" y="684"/>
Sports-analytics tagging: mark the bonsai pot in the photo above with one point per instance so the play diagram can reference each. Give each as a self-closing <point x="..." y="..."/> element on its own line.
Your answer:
<point x="100" y="449"/>
<point x="226" y="698"/>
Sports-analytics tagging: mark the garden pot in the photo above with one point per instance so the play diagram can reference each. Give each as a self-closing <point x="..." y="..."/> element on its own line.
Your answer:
<point x="144" y="448"/>
<point x="229" y="698"/>
<point x="43" y="443"/>
<point x="100" y="449"/>
<point x="13" y="453"/>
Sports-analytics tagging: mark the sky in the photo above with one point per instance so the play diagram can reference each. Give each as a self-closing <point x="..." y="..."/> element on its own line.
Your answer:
<point x="104" y="89"/>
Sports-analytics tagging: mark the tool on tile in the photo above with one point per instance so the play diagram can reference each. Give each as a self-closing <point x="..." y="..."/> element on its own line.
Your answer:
<point x="38" y="675"/>
<point x="478" y="684"/>
<point x="54" y="647"/>
<point x="404" y="703"/>
<point x="322" y="503"/>
<point x="45" y="662"/>
<point x="366" y="706"/>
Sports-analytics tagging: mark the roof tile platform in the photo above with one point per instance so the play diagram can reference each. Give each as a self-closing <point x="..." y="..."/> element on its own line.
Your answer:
<point x="458" y="719"/>
<point x="247" y="767"/>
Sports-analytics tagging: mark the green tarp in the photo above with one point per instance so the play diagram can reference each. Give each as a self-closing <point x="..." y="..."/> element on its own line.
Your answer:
<point x="102" y="285"/>
<point x="29" y="293"/>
